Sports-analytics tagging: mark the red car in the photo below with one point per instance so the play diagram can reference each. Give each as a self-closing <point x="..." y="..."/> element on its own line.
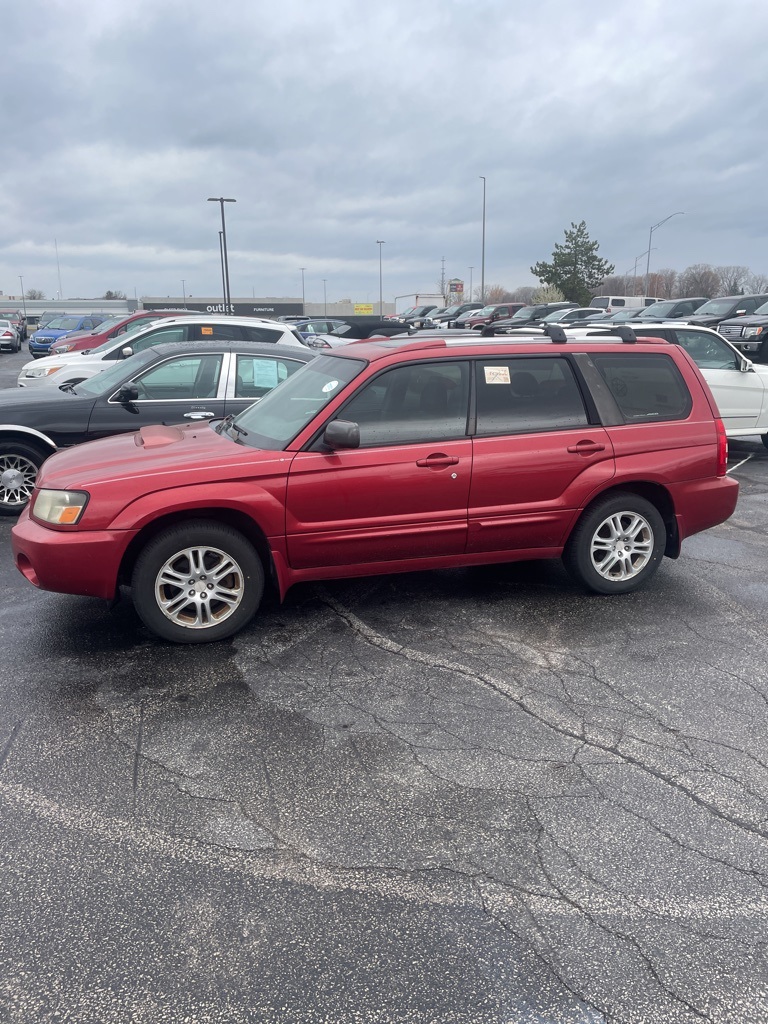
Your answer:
<point x="84" y="341"/>
<point x="386" y="457"/>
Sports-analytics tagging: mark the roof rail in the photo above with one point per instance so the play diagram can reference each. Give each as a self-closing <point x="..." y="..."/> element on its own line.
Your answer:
<point x="622" y="331"/>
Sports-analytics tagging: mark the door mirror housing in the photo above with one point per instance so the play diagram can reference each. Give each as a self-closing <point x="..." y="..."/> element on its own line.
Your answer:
<point x="125" y="352"/>
<point x="342" y="434"/>
<point x="128" y="393"/>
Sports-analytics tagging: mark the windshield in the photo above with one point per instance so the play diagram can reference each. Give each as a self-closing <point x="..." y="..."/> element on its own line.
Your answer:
<point x="715" y="307"/>
<point x="525" y="313"/>
<point x="658" y="309"/>
<point x="104" y="383"/>
<point x="64" y="323"/>
<point x="273" y="422"/>
<point x="556" y="314"/>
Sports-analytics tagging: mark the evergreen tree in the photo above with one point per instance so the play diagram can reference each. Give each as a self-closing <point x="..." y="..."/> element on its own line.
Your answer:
<point x="576" y="269"/>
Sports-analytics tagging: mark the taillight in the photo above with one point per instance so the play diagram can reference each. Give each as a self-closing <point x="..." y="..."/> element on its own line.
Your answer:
<point x="722" y="448"/>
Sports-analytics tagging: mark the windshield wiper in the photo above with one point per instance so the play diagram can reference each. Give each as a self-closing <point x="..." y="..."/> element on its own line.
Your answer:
<point x="228" y="424"/>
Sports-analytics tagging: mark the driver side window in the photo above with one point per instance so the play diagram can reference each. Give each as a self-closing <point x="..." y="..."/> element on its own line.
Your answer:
<point x="410" y="404"/>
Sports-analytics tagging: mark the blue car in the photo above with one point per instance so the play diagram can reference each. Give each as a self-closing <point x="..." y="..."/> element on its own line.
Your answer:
<point x="41" y="341"/>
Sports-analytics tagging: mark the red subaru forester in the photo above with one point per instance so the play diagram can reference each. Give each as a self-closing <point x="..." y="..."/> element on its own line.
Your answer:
<point x="391" y="456"/>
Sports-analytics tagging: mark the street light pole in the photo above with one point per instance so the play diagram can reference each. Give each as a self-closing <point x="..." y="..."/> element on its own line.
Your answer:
<point x="679" y="213"/>
<point x="325" y="301"/>
<point x="225" y="261"/>
<point x="23" y="300"/>
<point x="184" y="291"/>
<point x="223" y="278"/>
<point x="470" y="283"/>
<point x="482" y="261"/>
<point x="302" y="269"/>
<point x="379" y="242"/>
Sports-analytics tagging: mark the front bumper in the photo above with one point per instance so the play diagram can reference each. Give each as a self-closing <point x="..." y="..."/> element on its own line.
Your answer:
<point x="78" y="562"/>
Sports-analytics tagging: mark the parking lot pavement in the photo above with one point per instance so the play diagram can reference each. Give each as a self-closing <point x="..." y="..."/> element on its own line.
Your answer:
<point x="468" y="796"/>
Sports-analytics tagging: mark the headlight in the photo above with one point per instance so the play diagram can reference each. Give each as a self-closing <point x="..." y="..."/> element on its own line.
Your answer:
<point x="752" y="332"/>
<point x="61" y="508"/>
<point x="63" y="348"/>
<point x="41" y="371"/>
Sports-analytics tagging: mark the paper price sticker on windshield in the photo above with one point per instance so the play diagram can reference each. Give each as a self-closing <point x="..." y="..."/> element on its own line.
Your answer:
<point x="496" y="374"/>
<point x="330" y="386"/>
<point x="206" y="330"/>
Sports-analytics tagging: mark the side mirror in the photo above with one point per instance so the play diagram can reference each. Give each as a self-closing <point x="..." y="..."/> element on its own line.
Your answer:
<point x="128" y="393"/>
<point x="740" y="312"/>
<point x="125" y="352"/>
<point x="745" y="365"/>
<point x="342" y="434"/>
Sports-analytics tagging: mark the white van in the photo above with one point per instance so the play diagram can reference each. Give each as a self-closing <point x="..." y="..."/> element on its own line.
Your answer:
<point x="613" y="303"/>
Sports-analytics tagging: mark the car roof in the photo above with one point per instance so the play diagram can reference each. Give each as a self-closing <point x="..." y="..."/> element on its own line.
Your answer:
<point x="264" y="348"/>
<point x="377" y="349"/>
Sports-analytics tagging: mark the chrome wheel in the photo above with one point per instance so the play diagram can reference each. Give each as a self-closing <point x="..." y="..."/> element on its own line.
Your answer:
<point x="17" y="479"/>
<point x="199" y="587"/>
<point x="622" y="546"/>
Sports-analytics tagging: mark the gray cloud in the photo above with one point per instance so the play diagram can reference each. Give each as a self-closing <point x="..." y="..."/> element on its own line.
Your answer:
<point x="334" y="125"/>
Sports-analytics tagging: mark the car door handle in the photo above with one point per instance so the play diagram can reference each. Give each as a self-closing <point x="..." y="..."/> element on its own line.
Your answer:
<point x="438" y="460"/>
<point x="586" y="447"/>
<point x="199" y="415"/>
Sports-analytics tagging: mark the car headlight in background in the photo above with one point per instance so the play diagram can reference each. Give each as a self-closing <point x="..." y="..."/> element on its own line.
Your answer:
<point x="41" y="371"/>
<point x="60" y="508"/>
<point x="752" y="332"/>
<point x="63" y="348"/>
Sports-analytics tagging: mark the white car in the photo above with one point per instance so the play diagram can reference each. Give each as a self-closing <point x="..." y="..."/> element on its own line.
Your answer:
<point x="739" y="386"/>
<point x="73" y="367"/>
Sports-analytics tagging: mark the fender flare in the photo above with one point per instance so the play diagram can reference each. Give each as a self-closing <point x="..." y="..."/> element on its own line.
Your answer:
<point x="16" y="430"/>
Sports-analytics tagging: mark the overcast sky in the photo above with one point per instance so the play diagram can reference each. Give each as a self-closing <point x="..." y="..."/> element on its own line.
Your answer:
<point x="339" y="123"/>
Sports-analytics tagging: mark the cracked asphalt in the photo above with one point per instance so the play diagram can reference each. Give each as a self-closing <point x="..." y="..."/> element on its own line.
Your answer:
<point x="469" y="797"/>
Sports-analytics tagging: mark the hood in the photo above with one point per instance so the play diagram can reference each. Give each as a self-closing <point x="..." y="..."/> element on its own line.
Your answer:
<point x="707" y="319"/>
<point x="55" y="360"/>
<point x="126" y="467"/>
<point x="755" y="318"/>
<point x="21" y="405"/>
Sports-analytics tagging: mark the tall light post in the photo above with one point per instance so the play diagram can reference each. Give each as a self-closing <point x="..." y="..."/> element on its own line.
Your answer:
<point x="225" y="261"/>
<point x="482" y="261"/>
<point x="184" y="291"/>
<point x="470" y="283"/>
<point x="679" y="213"/>
<point x="302" y="269"/>
<point x="23" y="300"/>
<point x="634" y="272"/>
<point x="223" y="278"/>
<point x="325" y="301"/>
<point x="379" y="242"/>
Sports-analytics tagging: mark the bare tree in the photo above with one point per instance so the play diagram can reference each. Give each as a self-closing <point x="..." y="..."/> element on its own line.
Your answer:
<point x="732" y="279"/>
<point x="34" y="293"/>
<point x="699" y="279"/>
<point x="497" y="293"/>
<point x="662" y="283"/>
<point x="756" y="284"/>
<point x="524" y="294"/>
<point x="617" y="284"/>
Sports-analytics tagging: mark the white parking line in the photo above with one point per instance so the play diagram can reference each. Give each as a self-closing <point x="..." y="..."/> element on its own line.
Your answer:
<point x="740" y="463"/>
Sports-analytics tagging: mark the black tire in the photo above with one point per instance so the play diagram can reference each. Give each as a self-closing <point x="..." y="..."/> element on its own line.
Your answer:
<point x="205" y="616"/>
<point x="617" y="545"/>
<point x="764" y="439"/>
<point x="19" y="464"/>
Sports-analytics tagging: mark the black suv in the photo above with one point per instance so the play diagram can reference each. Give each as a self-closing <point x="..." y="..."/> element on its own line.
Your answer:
<point x="672" y="309"/>
<point x="727" y="307"/>
<point x="749" y="333"/>
<point x="530" y="315"/>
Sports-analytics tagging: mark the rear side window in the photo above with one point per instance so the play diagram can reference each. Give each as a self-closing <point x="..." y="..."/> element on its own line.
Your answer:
<point x="517" y="396"/>
<point x="646" y="386"/>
